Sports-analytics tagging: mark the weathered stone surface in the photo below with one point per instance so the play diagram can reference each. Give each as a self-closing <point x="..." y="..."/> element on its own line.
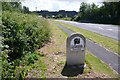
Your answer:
<point x="75" y="53"/>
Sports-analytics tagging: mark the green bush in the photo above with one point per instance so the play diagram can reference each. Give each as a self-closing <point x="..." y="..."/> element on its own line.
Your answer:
<point x="30" y="60"/>
<point x="35" y="57"/>
<point x="23" y="34"/>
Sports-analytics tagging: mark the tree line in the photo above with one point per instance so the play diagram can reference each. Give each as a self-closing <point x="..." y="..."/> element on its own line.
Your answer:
<point x="14" y="6"/>
<point x="56" y="14"/>
<point x="107" y="13"/>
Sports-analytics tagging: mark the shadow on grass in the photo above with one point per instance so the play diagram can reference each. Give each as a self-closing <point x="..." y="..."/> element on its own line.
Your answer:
<point x="71" y="71"/>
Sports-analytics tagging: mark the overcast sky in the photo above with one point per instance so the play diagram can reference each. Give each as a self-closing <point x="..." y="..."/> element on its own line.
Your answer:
<point x="55" y="5"/>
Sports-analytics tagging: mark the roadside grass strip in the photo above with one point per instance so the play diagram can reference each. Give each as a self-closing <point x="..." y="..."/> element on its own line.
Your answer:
<point x="93" y="63"/>
<point x="108" y="43"/>
<point x="99" y="66"/>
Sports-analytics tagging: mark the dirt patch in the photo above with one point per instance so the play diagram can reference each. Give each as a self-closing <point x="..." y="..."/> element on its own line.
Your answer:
<point x="54" y="60"/>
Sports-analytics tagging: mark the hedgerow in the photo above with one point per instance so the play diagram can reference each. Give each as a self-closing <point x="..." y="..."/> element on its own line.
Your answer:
<point x="23" y="34"/>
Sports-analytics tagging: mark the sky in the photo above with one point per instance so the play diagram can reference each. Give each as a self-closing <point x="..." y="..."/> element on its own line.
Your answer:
<point x="56" y="5"/>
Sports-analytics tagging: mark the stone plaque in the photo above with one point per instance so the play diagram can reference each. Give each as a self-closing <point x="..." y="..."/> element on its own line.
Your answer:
<point x="75" y="53"/>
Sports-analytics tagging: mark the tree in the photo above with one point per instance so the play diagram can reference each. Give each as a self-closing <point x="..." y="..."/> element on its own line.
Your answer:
<point x="14" y="6"/>
<point x="59" y="16"/>
<point x="82" y="10"/>
<point x="108" y="13"/>
<point x="25" y="9"/>
<point x="11" y="6"/>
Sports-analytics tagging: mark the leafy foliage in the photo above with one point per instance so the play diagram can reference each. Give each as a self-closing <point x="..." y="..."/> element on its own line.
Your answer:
<point x="107" y="13"/>
<point x="14" y="6"/>
<point x="23" y="34"/>
<point x="11" y="6"/>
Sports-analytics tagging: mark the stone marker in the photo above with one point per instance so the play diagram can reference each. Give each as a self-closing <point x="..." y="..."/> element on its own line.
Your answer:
<point x="75" y="53"/>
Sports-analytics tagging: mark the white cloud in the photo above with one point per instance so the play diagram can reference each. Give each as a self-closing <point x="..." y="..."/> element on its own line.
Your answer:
<point x="64" y="0"/>
<point x="55" y="5"/>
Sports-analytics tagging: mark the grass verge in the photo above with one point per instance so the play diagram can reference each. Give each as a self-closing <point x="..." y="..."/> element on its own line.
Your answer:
<point x="68" y="19"/>
<point x="106" y="42"/>
<point x="93" y="63"/>
<point x="99" y="66"/>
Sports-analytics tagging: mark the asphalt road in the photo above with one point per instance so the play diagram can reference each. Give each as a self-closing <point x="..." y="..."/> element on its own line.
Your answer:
<point x="106" y="56"/>
<point x="106" y="30"/>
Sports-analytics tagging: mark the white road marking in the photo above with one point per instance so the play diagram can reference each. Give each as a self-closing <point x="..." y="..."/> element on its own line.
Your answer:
<point x="100" y="27"/>
<point x="110" y="29"/>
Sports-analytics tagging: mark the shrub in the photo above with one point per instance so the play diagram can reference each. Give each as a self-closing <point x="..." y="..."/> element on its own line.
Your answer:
<point x="23" y="34"/>
<point x="30" y="60"/>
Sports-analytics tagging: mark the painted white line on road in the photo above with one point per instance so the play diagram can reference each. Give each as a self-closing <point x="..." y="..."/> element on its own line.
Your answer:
<point x="100" y="27"/>
<point x="110" y="29"/>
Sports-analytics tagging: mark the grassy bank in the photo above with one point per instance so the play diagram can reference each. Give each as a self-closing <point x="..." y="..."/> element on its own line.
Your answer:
<point x="109" y="43"/>
<point x="93" y="64"/>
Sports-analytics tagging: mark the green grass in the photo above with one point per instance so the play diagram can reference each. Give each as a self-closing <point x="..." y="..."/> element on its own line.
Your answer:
<point x="106" y="42"/>
<point x="100" y="67"/>
<point x="40" y="68"/>
<point x="36" y="69"/>
<point x="61" y="63"/>
<point x="60" y="38"/>
<point x="92" y="62"/>
<point x="68" y="19"/>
